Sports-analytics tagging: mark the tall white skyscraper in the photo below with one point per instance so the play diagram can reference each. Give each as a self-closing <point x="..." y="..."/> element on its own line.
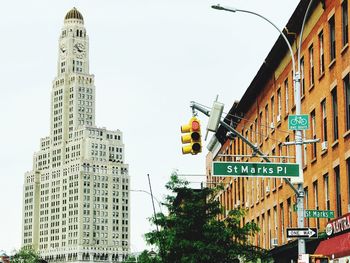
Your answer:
<point x="76" y="198"/>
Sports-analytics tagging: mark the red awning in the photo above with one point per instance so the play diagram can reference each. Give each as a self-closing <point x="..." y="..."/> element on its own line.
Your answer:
<point x="339" y="246"/>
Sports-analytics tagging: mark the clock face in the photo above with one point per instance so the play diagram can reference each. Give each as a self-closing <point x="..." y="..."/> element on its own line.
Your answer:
<point x="79" y="50"/>
<point x="63" y="51"/>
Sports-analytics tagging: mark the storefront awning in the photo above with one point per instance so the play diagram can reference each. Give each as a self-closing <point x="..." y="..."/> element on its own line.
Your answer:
<point x="339" y="246"/>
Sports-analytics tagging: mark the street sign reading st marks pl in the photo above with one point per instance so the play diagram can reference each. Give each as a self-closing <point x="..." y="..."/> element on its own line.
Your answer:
<point x="255" y="169"/>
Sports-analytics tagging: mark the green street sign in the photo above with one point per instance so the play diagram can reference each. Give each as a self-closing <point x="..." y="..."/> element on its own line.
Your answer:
<point x="319" y="214"/>
<point x="298" y="122"/>
<point x="255" y="169"/>
<point x="295" y="208"/>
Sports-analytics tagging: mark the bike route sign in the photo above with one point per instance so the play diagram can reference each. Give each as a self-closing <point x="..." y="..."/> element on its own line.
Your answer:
<point x="298" y="122"/>
<point x="289" y="170"/>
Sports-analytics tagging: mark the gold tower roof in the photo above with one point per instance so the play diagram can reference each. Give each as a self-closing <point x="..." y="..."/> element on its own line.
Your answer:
<point x="74" y="14"/>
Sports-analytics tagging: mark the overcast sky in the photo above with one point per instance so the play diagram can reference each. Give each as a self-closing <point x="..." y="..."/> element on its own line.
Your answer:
<point x="150" y="58"/>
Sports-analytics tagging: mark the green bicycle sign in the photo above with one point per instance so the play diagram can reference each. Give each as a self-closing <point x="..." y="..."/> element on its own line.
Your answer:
<point x="298" y="122"/>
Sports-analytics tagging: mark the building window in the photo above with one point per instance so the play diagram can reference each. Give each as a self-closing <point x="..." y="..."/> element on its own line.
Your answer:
<point x="324" y="120"/>
<point x="251" y="133"/>
<point x="286" y="96"/>
<point x="279" y="105"/>
<point x="348" y="171"/>
<point x="321" y="52"/>
<point x="345" y="34"/>
<point x="315" y="188"/>
<point x="289" y="205"/>
<point x="272" y="109"/>
<point x="347" y="100"/>
<point x="337" y="190"/>
<point x="256" y="130"/>
<point x="312" y="66"/>
<point x="335" y="114"/>
<point x="267" y="120"/>
<point x="245" y="144"/>
<point x="326" y="192"/>
<point x="263" y="227"/>
<point x="302" y="78"/>
<point x="274" y="180"/>
<point x="313" y="133"/>
<point x="331" y="23"/>
<point x="282" y="221"/>
<point x="275" y="221"/>
<point x="261" y="132"/>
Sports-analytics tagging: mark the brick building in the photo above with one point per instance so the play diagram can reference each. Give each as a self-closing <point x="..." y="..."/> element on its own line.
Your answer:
<point x="261" y="115"/>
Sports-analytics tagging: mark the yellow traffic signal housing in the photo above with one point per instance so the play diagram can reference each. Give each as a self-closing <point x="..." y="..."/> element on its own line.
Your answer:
<point x="192" y="137"/>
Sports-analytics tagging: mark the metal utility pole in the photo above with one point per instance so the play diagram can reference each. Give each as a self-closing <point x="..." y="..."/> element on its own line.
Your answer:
<point x="298" y="134"/>
<point x="155" y="218"/>
<point x="255" y="149"/>
<point x="154" y="209"/>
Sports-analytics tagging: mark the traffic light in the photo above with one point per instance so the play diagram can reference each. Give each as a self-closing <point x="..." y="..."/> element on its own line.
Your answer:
<point x="192" y="137"/>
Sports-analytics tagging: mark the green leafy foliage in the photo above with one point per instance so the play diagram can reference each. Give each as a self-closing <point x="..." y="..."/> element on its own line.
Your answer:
<point x="145" y="257"/>
<point x="27" y="255"/>
<point x="192" y="233"/>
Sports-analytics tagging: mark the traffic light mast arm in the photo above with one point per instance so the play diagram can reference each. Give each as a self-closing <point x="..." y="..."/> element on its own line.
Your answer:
<point x="255" y="149"/>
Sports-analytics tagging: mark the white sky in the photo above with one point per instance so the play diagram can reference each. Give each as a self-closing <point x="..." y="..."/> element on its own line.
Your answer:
<point x="150" y="59"/>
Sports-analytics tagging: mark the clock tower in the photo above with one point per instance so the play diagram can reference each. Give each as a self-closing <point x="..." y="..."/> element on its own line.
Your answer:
<point x="73" y="94"/>
<point x="73" y="45"/>
<point x="76" y="197"/>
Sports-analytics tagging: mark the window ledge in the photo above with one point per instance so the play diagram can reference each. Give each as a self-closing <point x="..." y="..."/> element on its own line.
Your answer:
<point x="274" y="189"/>
<point x="302" y="97"/>
<point x="266" y="138"/>
<point x="273" y="131"/>
<point x="344" y="48"/>
<point x="286" y="115"/>
<point x="335" y="143"/>
<point x="324" y="152"/>
<point x="304" y="167"/>
<point x="311" y="87"/>
<point x="314" y="160"/>
<point x="321" y="76"/>
<point x="332" y="63"/>
<point x="346" y="134"/>
<point x="278" y="124"/>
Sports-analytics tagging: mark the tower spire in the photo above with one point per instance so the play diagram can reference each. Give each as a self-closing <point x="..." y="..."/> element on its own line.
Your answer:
<point x="74" y="14"/>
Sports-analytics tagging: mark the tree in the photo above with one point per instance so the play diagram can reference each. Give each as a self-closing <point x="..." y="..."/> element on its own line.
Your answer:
<point x="191" y="232"/>
<point x="145" y="257"/>
<point x="27" y="255"/>
<point x="130" y="259"/>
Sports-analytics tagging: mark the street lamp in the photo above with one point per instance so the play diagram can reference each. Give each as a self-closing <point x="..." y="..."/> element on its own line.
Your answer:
<point x="298" y="133"/>
<point x="152" y="196"/>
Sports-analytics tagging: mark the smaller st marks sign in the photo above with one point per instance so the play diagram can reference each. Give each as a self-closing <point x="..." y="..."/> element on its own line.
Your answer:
<point x="319" y="214"/>
<point x="255" y="169"/>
